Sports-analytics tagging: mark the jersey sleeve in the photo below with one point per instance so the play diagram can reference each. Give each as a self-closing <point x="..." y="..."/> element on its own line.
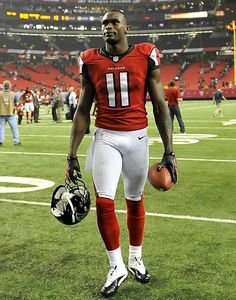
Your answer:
<point x="83" y="69"/>
<point x="153" y="59"/>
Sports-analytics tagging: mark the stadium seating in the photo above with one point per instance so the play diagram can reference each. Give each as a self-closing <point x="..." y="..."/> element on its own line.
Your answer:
<point x="194" y="72"/>
<point x="169" y="72"/>
<point x="46" y="50"/>
<point x="227" y="78"/>
<point x="42" y="76"/>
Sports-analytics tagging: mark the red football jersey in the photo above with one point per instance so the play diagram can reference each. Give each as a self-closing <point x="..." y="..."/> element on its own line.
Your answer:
<point x="120" y="84"/>
<point x="27" y="97"/>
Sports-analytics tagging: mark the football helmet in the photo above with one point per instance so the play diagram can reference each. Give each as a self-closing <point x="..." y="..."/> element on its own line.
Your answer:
<point x="70" y="202"/>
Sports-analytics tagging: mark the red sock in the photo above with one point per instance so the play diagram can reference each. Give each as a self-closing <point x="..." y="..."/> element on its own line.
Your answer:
<point x="135" y="221"/>
<point x="27" y="116"/>
<point x="107" y="223"/>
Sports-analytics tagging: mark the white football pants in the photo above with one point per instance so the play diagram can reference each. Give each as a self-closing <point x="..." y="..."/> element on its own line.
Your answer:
<point x="114" y="153"/>
<point x="29" y="106"/>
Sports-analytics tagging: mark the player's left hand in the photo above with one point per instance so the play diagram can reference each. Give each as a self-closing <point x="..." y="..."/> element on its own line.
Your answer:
<point x="73" y="169"/>
<point x="170" y="162"/>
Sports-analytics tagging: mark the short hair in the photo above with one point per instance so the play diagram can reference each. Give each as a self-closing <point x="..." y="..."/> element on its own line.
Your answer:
<point x="172" y="83"/>
<point x="6" y="84"/>
<point x="116" y="10"/>
<point x="119" y="11"/>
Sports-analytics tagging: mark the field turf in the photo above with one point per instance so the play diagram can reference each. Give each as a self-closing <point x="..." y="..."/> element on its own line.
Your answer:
<point x="190" y="241"/>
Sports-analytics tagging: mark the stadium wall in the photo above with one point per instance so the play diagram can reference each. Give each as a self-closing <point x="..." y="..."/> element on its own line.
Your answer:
<point x="229" y="93"/>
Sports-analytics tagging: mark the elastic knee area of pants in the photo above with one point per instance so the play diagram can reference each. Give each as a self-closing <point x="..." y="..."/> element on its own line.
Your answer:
<point x="135" y="207"/>
<point x="104" y="204"/>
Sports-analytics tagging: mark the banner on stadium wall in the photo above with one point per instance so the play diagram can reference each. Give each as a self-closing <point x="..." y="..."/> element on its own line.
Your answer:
<point x="208" y="94"/>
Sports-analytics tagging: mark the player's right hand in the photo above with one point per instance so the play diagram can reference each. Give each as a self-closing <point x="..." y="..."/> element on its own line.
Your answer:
<point x="73" y="169"/>
<point x="169" y="161"/>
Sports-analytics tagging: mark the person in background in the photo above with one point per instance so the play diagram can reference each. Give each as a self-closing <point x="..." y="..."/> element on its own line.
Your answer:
<point x="27" y="99"/>
<point x="36" y="102"/>
<point x="118" y="76"/>
<point x="173" y="97"/>
<point x="59" y="103"/>
<point x="72" y="98"/>
<point x="46" y="100"/>
<point x="8" y="103"/>
<point x="217" y="100"/>
<point x="54" y="104"/>
<point x="20" y="112"/>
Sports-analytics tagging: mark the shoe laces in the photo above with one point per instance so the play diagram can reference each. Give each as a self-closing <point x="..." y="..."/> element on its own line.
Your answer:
<point x="111" y="271"/>
<point x="115" y="272"/>
<point x="112" y="275"/>
<point x="139" y="260"/>
<point x="137" y="263"/>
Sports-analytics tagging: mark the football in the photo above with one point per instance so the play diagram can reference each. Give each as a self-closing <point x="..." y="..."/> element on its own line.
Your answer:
<point x="160" y="180"/>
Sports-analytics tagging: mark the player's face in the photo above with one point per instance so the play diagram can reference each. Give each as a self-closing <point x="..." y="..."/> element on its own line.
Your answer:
<point x="114" y="27"/>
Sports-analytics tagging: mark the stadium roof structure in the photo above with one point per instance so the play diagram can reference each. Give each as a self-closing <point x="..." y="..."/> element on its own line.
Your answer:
<point x="150" y="20"/>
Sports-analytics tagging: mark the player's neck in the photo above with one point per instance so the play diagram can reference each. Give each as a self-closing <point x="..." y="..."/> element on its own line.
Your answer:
<point x="117" y="49"/>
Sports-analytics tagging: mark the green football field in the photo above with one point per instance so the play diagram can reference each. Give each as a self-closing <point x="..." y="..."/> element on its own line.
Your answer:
<point x="190" y="234"/>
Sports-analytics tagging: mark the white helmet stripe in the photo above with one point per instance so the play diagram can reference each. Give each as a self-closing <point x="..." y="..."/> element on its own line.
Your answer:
<point x="72" y="210"/>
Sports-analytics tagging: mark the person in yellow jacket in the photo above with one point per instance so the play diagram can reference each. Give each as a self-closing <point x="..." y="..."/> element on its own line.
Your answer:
<point x="8" y="103"/>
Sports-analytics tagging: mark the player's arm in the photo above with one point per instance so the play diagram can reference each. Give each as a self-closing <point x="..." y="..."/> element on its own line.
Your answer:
<point x="22" y="99"/>
<point x="160" y="110"/>
<point x="163" y="121"/>
<point x="79" y="126"/>
<point x="16" y="100"/>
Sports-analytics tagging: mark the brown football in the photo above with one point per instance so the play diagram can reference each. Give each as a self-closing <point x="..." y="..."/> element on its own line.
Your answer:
<point x="160" y="180"/>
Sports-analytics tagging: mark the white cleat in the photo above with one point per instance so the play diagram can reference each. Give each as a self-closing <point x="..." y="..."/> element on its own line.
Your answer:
<point x="115" y="277"/>
<point x="137" y="268"/>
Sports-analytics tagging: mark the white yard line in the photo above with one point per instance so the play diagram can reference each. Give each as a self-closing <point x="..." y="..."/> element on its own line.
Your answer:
<point x="151" y="157"/>
<point x="199" y="159"/>
<point x="201" y="127"/>
<point x="151" y="214"/>
<point x="150" y="137"/>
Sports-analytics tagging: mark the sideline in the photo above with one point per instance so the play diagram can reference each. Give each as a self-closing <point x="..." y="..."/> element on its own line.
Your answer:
<point x="170" y="216"/>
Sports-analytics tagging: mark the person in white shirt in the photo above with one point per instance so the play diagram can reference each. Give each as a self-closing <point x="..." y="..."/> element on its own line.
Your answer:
<point x="72" y="102"/>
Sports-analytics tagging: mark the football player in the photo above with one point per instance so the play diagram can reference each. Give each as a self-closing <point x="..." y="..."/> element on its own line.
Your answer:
<point x="27" y="99"/>
<point x="118" y="77"/>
